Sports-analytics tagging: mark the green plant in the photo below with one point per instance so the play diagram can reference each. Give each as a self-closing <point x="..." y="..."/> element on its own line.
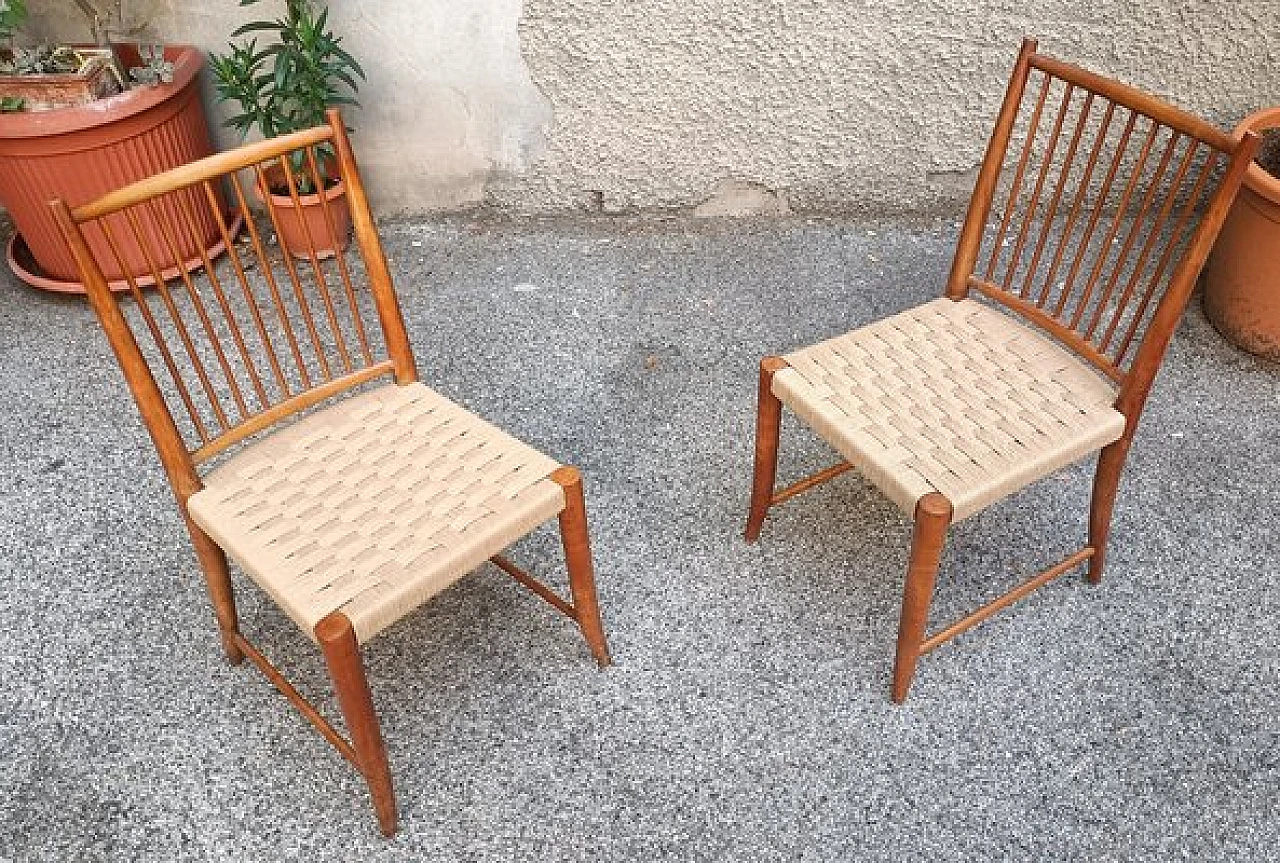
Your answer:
<point x="13" y="14"/>
<point x="287" y="84"/>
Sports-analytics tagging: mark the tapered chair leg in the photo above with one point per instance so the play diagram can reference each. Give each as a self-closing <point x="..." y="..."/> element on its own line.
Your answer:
<point x="1105" y="484"/>
<point x="933" y="517"/>
<point x="577" y="556"/>
<point x="217" y="578"/>
<point x="342" y="655"/>
<point x="768" y="425"/>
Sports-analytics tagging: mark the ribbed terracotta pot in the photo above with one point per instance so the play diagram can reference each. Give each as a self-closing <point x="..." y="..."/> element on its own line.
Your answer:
<point x="1242" y="275"/>
<point x="81" y="153"/>
<point x="306" y="226"/>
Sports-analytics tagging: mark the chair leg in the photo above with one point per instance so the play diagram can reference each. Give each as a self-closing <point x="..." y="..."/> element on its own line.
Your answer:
<point x="1105" y="484"/>
<point x="342" y="655"/>
<point x="217" y="577"/>
<point x="933" y="517"/>
<point x="768" y="425"/>
<point x="577" y="556"/>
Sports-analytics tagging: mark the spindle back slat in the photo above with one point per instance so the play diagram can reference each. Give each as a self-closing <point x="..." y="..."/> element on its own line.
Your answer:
<point x="1093" y="236"/>
<point x="269" y="276"/>
<point x="1043" y="175"/>
<point x="231" y="346"/>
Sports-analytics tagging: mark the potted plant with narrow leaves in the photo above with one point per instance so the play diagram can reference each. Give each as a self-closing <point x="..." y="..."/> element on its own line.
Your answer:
<point x="1242" y="275"/>
<point x="283" y="86"/>
<point x="75" y="125"/>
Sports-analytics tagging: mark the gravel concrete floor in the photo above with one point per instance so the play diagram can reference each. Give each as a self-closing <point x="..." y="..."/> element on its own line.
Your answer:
<point x="746" y="717"/>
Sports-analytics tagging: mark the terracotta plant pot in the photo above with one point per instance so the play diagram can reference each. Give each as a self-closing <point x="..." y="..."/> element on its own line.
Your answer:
<point x="294" y="223"/>
<point x="1242" y="275"/>
<point x="83" y="152"/>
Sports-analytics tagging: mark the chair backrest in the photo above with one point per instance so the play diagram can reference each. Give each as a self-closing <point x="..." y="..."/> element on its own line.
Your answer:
<point x="234" y="345"/>
<point x="1096" y="224"/>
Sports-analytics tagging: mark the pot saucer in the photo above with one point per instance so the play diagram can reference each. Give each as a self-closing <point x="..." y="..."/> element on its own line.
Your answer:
<point x="25" y="267"/>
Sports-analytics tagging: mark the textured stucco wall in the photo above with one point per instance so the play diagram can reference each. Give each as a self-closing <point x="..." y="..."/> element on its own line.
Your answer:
<point x="839" y="104"/>
<point x="811" y="105"/>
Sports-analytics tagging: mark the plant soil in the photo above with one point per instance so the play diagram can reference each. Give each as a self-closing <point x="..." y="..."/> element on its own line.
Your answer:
<point x="1269" y="153"/>
<point x="277" y="185"/>
<point x="280" y="188"/>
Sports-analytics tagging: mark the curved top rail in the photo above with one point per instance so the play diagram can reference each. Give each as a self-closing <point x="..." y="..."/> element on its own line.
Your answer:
<point x="204" y="169"/>
<point x="1135" y="99"/>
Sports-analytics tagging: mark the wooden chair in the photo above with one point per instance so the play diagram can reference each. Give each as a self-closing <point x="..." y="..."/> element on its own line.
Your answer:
<point x="352" y="515"/>
<point x="1109" y="204"/>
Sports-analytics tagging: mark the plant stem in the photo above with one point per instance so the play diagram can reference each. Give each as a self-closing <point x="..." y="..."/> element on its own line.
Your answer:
<point x="97" y="23"/>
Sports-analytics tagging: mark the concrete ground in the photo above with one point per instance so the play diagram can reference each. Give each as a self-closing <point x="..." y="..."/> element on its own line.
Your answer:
<point x="746" y="717"/>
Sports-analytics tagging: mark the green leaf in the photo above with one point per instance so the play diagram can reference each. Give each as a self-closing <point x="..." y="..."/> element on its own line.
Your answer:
<point x="287" y="83"/>
<point x="284" y="67"/>
<point x="254" y="27"/>
<point x="346" y="77"/>
<point x="350" y="60"/>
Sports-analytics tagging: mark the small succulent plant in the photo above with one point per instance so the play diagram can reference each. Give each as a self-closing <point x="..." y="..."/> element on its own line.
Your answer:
<point x="42" y="60"/>
<point x="155" y="69"/>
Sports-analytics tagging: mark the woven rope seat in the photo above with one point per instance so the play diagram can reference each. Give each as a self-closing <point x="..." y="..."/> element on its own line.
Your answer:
<point x="952" y="397"/>
<point x="375" y="504"/>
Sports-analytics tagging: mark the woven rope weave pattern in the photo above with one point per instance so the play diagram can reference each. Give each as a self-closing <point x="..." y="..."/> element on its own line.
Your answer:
<point x="953" y="397"/>
<point x="375" y="504"/>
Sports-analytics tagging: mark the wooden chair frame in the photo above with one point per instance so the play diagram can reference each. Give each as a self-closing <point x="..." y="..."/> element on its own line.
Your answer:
<point x="1122" y="350"/>
<point x="179" y="190"/>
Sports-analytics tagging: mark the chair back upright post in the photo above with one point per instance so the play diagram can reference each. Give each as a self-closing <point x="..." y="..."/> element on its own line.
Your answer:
<point x="1105" y="212"/>
<point x="174" y="455"/>
<point x="984" y="189"/>
<point x="1146" y="363"/>
<point x="231" y="349"/>
<point x="388" y="304"/>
